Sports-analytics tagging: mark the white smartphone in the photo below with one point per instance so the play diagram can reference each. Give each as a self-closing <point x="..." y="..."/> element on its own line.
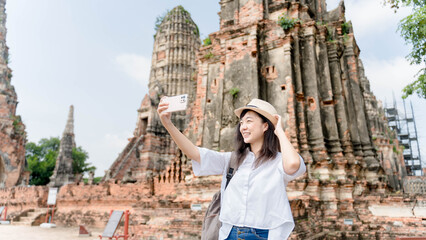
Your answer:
<point x="177" y="103"/>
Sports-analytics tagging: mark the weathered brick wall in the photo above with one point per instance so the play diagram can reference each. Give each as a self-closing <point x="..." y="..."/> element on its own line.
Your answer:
<point x="166" y="213"/>
<point x="21" y="199"/>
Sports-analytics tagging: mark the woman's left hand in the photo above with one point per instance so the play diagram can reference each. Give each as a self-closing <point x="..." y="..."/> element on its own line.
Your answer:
<point x="278" y="127"/>
<point x="291" y="160"/>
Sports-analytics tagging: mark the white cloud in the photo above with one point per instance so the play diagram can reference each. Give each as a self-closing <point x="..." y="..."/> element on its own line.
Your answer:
<point x="104" y="152"/>
<point x="370" y="16"/>
<point x="136" y="66"/>
<point x="387" y="76"/>
<point x="116" y="142"/>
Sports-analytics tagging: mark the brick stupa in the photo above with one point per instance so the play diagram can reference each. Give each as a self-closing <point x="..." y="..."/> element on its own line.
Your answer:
<point x="173" y="70"/>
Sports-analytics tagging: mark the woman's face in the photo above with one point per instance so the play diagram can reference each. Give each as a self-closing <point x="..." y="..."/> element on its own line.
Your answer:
<point x="252" y="127"/>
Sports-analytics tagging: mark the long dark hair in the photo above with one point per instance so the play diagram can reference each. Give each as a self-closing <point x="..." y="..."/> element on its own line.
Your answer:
<point x="270" y="146"/>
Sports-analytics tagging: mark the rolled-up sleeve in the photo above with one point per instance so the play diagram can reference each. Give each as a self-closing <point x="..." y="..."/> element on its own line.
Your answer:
<point x="212" y="162"/>
<point x="298" y="173"/>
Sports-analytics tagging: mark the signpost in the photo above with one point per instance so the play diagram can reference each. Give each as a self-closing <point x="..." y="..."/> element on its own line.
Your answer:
<point x="348" y="221"/>
<point x="196" y="207"/>
<point x="51" y="202"/>
<point x="114" y="220"/>
<point x="1" y="212"/>
<point x="3" y="221"/>
<point x="51" y="199"/>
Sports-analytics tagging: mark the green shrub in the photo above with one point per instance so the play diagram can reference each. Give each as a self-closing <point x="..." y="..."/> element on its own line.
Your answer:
<point x="286" y="22"/>
<point x="234" y="92"/>
<point x="207" y="41"/>
<point x="209" y="55"/>
<point x="345" y="37"/>
<point x="158" y="22"/>
<point x="345" y="27"/>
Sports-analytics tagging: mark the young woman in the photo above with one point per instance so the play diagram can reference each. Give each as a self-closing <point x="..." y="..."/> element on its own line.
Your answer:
<point x="255" y="203"/>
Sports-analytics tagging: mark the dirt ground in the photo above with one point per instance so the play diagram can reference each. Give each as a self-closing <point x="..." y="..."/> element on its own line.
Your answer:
<point x="11" y="232"/>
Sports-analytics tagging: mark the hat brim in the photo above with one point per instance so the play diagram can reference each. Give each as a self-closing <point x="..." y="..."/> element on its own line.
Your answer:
<point x="267" y="115"/>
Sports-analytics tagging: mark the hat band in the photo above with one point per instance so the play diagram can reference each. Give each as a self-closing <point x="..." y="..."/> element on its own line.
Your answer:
<point x="251" y="106"/>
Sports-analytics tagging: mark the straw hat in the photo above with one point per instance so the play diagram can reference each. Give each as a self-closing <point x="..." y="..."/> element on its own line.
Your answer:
<point x="262" y="107"/>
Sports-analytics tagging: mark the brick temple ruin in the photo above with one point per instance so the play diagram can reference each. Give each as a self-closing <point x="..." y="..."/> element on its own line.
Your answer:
<point x="12" y="130"/>
<point x="356" y="185"/>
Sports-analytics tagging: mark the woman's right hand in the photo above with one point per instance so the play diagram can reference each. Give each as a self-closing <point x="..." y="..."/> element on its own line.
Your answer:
<point x="187" y="147"/>
<point x="164" y="116"/>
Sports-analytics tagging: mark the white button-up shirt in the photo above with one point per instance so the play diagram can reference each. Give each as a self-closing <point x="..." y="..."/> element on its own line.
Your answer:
<point x="255" y="197"/>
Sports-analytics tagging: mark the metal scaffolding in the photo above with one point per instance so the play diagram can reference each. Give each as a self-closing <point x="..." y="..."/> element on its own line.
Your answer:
<point x="404" y="125"/>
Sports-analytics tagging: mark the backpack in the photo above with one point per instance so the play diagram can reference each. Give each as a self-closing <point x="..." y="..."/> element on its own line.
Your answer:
<point x="211" y="223"/>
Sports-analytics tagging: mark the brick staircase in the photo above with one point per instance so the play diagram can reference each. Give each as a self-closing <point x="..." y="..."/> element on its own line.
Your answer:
<point x="31" y="217"/>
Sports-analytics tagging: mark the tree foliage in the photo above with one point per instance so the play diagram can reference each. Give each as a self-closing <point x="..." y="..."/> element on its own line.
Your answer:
<point x="413" y="30"/>
<point x="41" y="160"/>
<point x="79" y="164"/>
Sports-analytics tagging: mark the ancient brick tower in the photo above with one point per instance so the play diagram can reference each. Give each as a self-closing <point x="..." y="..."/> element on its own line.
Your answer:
<point x="12" y="130"/>
<point x="173" y="71"/>
<point x="63" y="173"/>
<point x="309" y="69"/>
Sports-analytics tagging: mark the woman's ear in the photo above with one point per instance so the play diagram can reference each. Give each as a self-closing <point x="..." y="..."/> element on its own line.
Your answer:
<point x="265" y="127"/>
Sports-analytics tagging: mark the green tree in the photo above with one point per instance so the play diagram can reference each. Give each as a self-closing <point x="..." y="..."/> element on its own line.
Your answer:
<point x="41" y="160"/>
<point x="79" y="164"/>
<point x="413" y="30"/>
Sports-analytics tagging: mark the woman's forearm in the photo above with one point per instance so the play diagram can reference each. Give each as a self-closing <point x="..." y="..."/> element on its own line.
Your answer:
<point x="184" y="144"/>
<point x="290" y="158"/>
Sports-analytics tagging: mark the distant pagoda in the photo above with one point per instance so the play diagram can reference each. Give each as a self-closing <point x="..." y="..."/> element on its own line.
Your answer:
<point x="63" y="173"/>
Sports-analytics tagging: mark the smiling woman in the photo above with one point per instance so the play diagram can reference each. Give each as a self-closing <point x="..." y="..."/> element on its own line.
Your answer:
<point x="254" y="175"/>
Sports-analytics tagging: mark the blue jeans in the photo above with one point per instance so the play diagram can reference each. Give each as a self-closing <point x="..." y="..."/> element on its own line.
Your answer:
<point x="246" y="233"/>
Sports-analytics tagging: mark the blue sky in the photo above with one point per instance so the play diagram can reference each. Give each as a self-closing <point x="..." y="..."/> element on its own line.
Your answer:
<point x="96" y="55"/>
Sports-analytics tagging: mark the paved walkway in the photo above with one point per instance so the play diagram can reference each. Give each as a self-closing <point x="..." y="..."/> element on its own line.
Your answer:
<point x="11" y="232"/>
